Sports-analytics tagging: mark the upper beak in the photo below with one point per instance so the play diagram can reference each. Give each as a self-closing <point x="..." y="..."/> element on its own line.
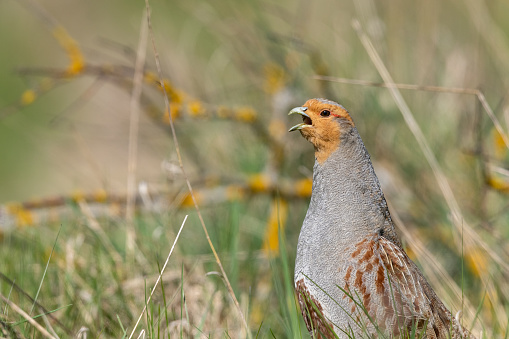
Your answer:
<point x="305" y="117"/>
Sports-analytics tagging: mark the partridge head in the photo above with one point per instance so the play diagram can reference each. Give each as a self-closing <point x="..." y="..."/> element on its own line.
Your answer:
<point x="352" y="276"/>
<point x="323" y="123"/>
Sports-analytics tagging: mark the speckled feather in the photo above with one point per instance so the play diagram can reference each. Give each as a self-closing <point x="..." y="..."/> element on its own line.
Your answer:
<point x="348" y="243"/>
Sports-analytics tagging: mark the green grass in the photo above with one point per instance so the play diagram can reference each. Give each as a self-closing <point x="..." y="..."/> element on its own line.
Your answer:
<point x="263" y="55"/>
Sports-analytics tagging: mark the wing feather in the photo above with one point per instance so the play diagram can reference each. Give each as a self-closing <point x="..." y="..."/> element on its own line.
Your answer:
<point x="395" y="296"/>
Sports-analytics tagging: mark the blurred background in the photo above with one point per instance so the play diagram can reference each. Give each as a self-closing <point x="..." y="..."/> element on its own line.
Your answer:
<point x="233" y="70"/>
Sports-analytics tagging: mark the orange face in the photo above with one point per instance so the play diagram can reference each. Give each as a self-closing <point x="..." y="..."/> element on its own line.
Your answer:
<point x="322" y="124"/>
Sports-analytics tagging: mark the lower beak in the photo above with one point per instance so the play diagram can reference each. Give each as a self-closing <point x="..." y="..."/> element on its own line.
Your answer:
<point x="307" y="119"/>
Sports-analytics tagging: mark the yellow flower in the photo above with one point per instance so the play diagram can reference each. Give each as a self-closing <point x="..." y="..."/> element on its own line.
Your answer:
<point x="23" y="216"/>
<point x="77" y="63"/>
<point x="187" y="201"/>
<point x="275" y="223"/>
<point x="245" y="114"/>
<point x="100" y="196"/>
<point x="175" y="96"/>
<point x="150" y="78"/>
<point x="303" y="187"/>
<point x="498" y="184"/>
<point x="28" y="97"/>
<point x="500" y="146"/>
<point x="77" y="196"/>
<point x="174" y="111"/>
<point x="410" y="252"/>
<point x="476" y="260"/>
<point x="259" y="183"/>
<point x="275" y="78"/>
<point x="195" y="108"/>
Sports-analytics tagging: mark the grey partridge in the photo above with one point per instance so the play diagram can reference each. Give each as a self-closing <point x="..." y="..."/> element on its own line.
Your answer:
<point x="352" y="277"/>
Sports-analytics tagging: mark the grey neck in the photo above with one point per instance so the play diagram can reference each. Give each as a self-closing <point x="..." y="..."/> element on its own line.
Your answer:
<point x="346" y="190"/>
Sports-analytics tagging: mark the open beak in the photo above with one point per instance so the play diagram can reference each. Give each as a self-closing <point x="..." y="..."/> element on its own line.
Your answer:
<point x="306" y="120"/>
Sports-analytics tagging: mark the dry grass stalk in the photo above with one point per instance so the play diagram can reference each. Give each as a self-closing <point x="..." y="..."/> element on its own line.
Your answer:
<point x="28" y="318"/>
<point x="158" y="278"/>
<point x="94" y="225"/>
<point x="181" y="164"/>
<point x="133" y="135"/>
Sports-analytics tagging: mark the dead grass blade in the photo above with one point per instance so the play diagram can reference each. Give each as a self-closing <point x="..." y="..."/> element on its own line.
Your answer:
<point x="17" y="288"/>
<point x="28" y="318"/>
<point x="158" y="278"/>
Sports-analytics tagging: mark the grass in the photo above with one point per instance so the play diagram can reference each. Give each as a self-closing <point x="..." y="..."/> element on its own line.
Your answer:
<point x="71" y="130"/>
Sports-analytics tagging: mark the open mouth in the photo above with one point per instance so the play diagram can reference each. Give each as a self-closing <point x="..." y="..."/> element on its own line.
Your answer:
<point x="306" y="120"/>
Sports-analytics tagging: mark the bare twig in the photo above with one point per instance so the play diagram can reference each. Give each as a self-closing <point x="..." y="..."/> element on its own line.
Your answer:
<point x="158" y="278"/>
<point x="397" y="85"/>
<point x="28" y="318"/>
<point x="181" y="164"/>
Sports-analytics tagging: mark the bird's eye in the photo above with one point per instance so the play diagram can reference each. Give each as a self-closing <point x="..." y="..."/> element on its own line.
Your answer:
<point x="325" y="113"/>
